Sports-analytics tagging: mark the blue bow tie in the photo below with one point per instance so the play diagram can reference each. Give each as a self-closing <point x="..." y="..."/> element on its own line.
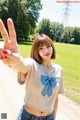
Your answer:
<point x="49" y="83"/>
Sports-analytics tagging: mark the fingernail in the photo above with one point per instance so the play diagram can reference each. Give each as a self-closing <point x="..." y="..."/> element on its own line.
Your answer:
<point x="5" y="57"/>
<point x="5" y="51"/>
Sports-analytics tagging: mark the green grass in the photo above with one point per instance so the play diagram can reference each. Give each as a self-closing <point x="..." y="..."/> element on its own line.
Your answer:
<point x="25" y="49"/>
<point x="68" y="56"/>
<point x="1" y="39"/>
<point x="69" y="59"/>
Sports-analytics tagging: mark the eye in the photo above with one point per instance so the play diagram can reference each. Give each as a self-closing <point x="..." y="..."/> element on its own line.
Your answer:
<point x="48" y="46"/>
<point x="40" y="48"/>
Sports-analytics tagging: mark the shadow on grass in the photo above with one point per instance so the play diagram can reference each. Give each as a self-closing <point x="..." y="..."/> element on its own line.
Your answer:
<point x="21" y="42"/>
<point x="25" y="43"/>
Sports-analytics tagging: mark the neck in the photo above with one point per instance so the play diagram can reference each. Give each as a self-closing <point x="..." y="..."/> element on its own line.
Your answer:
<point x="47" y="63"/>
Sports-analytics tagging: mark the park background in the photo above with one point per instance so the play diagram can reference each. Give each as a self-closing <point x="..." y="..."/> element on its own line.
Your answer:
<point x="32" y="17"/>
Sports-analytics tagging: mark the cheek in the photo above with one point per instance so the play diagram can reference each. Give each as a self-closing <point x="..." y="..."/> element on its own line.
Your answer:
<point x="51" y="50"/>
<point x="40" y="53"/>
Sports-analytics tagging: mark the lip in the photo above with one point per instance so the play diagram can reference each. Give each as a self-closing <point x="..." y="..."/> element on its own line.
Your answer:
<point x="46" y="54"/>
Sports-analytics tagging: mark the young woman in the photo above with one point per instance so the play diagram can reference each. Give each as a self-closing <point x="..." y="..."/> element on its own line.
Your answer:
<point x="42" y="77"/>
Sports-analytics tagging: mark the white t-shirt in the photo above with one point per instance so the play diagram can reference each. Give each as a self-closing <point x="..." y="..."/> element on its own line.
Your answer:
<point x="34" y="86"/>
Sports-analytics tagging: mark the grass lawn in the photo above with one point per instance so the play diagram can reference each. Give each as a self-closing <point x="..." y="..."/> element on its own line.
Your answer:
<point x="68" y="56"/>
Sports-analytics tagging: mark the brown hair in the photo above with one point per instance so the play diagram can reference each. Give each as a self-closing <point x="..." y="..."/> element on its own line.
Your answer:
<point x="39" y="41"/>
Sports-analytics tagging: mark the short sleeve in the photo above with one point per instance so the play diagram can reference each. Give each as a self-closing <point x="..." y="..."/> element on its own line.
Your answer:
<point x="20" y="75"/>
<point x="61" y="86"/>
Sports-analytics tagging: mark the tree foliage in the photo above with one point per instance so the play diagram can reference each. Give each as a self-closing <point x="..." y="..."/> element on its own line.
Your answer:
<point x="45" y="27"/>
<point x="25" y="14"/>
<point x="71" y="35"/>
<point x="52" y="29"/>
<point x="58" y="33"/>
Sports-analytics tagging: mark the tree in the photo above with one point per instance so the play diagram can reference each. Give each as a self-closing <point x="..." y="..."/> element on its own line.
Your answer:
<point x="33" y="8"/>
<point x="76" y="35"/>
<point x="25" y="14"/>
<point x="79" y="36"/>
<point x="56" y="31"/>
<point x="44" y="27"/>
<point x="4" y="11"/>
<point x="66" y="36"/>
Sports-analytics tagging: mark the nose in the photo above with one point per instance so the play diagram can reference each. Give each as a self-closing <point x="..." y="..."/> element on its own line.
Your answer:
<point x="45" y="49"/>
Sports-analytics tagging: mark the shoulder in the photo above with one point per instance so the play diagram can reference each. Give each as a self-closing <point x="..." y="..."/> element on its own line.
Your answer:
<point x="30" y="61"/>
<point x="57" y="66"/>
<point x="58" y="70"/>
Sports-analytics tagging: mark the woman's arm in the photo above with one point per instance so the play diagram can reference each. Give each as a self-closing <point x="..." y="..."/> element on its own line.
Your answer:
<point x="55" y="107"/>
<point x="9" y="49"/>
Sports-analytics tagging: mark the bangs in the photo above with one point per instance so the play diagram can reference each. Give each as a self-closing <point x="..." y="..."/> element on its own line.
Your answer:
<point x="42" y="42"/>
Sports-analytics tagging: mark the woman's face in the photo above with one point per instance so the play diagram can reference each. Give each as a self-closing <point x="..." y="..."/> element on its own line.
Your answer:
<point x="45" y="52"/>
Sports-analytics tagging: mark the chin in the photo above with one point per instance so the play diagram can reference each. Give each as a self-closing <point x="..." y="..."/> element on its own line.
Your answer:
<point x="47" y="58"/>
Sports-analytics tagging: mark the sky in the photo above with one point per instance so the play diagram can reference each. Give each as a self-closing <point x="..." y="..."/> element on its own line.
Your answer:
<point x="54" y="11"/>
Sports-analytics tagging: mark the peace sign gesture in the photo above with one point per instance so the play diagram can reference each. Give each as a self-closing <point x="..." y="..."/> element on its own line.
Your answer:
<point x="10" y="41"/>
<point x="9" y="50"/>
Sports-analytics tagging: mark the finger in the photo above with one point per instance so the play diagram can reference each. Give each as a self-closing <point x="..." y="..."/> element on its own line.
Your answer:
<point x="10" y="54"/>
<point x="3" y="31"/>
<point x="1" y="57"/>
<point x="6" y="52"/>
<point x="12" y="33"/>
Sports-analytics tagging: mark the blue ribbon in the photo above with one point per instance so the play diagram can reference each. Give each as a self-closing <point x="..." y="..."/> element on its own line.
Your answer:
<point x="49" y="83"/>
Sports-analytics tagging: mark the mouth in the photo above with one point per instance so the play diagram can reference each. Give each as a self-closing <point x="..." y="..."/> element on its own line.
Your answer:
<point x="47" y="54"/>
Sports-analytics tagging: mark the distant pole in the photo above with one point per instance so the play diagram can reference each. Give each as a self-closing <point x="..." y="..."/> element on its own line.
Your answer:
<point x="66" y="13"/>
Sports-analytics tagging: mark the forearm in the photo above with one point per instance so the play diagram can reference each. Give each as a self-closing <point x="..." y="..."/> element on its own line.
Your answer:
<point x="20" y="65"/>
<point x="55" y="107"/>
<point x="13" y="60"/>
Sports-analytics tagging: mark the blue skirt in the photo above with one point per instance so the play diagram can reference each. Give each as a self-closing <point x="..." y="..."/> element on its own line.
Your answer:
<point x="24" y="115"/>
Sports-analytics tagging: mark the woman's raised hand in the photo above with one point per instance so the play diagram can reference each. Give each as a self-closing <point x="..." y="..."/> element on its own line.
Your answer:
<point x="9" y="47"/>
<point x="10" y="41"/>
